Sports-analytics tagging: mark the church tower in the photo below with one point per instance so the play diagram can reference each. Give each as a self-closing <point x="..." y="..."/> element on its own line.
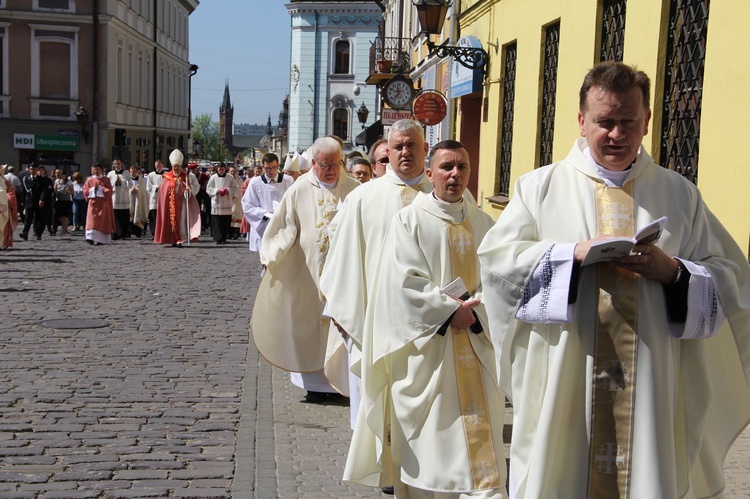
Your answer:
<point x="226" y="117"/>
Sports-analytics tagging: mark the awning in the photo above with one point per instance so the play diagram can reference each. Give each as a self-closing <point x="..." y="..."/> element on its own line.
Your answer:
<point x="369" y="135"/>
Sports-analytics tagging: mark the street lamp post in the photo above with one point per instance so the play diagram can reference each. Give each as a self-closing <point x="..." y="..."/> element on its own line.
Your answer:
<point x="362" y="114"/>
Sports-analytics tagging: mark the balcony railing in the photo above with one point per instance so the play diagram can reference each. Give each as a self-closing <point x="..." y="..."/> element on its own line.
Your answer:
<point x="390" y="55"/>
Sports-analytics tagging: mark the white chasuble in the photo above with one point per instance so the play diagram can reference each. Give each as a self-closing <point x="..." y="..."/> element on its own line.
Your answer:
<point x="288" y="327"/>
<point x="690" y="398"/>
<point x="446" y="410"/>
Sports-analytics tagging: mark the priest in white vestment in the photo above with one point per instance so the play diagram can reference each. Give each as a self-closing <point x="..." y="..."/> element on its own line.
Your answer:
<point x="153" y="181"/>
<point x="625" y="378"/>
<point x="288" y="326"/>
<point x="262" y="196"/>
<point x="431" y="350"/>
<point x="357" y="237"/>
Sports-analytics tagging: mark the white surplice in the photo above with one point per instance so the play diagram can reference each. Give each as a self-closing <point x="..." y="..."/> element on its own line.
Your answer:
<point x="691" y="396"/>
<point x="258" y="202"/>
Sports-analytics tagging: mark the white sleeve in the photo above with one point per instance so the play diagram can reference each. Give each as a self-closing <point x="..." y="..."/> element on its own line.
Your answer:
<point x="545" y="295"/>
<point x="705" y="314"/>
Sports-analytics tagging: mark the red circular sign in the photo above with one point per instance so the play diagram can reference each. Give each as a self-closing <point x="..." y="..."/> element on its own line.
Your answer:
<point x="430" y="107"/>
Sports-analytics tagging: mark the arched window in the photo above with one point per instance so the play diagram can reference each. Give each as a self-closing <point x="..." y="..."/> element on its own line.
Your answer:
<point x="341" y="57"/>
<point x="341" y="123"/>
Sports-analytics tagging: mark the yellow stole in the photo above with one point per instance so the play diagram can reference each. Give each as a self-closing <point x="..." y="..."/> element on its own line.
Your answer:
<point x="471" y="394"/>
<point x="615" y="355"/>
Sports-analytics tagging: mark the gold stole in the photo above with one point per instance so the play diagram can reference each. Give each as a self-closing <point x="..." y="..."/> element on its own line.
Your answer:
<point x="615" y="355"/>
<point x="471" y="394"/>
<point x="408" y="194"/>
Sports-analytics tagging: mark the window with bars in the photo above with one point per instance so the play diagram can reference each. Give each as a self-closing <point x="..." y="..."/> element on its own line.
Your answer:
<point x="506" y="130"/>
<point x="683" y="86"/>
<point x="613" y="30"/>
<point x="549" y="92"/>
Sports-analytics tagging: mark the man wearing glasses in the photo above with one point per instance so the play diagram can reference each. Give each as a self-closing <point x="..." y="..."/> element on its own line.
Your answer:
<point x="379" y="158"/>
<point x="262" y="197"/>
<point x="294" y="248"/>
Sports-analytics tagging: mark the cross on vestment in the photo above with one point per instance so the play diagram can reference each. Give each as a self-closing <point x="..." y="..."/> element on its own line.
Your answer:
<point x="485" y="471"/>
<point x="615" y="375"/>
<point x="607" y="459"/>
<point x="619" y="217"/>
<point x="466" y="358"/>
<point x="475" y="413"/>
<point x="462" y="243"/>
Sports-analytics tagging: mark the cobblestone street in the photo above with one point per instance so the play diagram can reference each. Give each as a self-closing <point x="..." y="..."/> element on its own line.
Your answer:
<point x="128" y="371"/>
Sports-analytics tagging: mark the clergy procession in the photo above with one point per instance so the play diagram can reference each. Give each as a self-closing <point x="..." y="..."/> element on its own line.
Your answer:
<point x="385" y="287"/>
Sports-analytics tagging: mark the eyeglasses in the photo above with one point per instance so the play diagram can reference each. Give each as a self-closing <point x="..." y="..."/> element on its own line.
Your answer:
<point x="328" y="167"/>
<point x="382" y="161"/>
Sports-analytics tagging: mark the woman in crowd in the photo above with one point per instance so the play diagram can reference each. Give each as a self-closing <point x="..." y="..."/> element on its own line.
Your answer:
<point x="79" y="203"/>
<point x="63" y="202"/>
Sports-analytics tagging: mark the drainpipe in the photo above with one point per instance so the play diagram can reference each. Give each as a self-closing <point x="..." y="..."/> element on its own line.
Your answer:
<point x="94" y="107"/>
<point x="315" y="83"/>
<point x="451" y="131"/>
<point x="155" y="87"/>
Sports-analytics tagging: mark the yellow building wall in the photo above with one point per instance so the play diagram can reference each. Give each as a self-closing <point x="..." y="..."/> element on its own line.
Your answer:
<point x="723" y="178"/>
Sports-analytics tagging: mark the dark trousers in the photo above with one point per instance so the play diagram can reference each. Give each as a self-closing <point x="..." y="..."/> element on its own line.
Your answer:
<point x="220" y="227"/>
<point x="152" y="222"/>
<point x="136" y="231"/>
<point x="38" y="217"/>
<point x="122" y="224"/>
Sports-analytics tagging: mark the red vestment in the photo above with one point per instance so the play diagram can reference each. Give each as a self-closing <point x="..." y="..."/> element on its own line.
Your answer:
<point x="245" y="225"/>
<point x="12" y="216"/>
<point x="100" y="215"/>
<point x="172" y="215"/>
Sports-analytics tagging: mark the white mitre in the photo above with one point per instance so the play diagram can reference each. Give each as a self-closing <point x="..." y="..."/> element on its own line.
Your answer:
<point x="292" y="163"/>
<point x="176" y="158"/>
<point x="304" y="160"/>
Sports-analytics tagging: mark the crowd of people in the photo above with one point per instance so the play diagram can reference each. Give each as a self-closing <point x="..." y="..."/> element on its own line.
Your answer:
<point x="385" y="283"/>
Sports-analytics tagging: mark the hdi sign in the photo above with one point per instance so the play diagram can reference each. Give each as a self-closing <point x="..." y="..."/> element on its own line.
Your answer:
<point x="44" y="142"/>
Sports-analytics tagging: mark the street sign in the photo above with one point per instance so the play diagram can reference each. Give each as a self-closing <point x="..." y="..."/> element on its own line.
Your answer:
<point x="44" y="142"/>
<point x="391" y="116"/>
<point x="430" y="107"/>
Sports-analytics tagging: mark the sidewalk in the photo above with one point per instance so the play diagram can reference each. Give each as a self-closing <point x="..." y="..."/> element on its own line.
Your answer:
<point x="152" y="386"/>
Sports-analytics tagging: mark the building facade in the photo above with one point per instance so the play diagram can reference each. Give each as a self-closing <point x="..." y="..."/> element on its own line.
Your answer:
<point x="330" y="47"/>
<point x="93" y="80"/>
<point x="522" y="115"/>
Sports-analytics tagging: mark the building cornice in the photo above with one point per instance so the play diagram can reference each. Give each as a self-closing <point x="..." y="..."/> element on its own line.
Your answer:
<point x="44" y="17"/>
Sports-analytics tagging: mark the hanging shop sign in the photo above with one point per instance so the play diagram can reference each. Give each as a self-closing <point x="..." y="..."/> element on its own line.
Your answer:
<point x="465" y="81"/>
<point x="430" y="107"/>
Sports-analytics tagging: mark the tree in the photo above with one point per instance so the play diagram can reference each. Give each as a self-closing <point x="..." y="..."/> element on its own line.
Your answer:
<point x="206" y="134"/>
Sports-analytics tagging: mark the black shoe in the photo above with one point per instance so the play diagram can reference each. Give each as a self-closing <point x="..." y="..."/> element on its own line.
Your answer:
<point x="24" y="236"/>
<point x="316" y="397"/>
<point x="38" y="238"/>
<point x="179" y="245"/>
<point x="387" y="490"/>
<point x="98" y="244"/>
<point x="90" y="242"/>
<point x="174" y="245"/>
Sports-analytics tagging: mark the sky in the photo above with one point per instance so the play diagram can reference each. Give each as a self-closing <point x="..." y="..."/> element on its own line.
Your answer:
<point x="247" y="43"/>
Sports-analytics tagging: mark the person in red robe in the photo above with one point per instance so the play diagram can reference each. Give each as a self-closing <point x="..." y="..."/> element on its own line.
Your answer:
<point x="100" y="216"/>
<point x="178" y="217"/>
<point x="8" y="211"/>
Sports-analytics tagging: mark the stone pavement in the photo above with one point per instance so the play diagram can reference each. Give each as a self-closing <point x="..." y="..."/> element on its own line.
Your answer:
<point x="170" y="397"/>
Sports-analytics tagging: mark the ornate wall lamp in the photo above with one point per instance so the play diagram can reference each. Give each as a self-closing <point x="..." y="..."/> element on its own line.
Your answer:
<point x="83" y="119"/>
<point x="431" y="14"/>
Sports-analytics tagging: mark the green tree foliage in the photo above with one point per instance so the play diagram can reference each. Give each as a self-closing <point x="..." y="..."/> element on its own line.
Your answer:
<point x="206" y="134"/>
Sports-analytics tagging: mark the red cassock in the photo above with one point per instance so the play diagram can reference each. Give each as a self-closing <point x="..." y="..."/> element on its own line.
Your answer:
<point x="245" y="225"/>
<point x="171" y="214"/>
<point x="100" y="215"/>
<point x="12" y="213"/>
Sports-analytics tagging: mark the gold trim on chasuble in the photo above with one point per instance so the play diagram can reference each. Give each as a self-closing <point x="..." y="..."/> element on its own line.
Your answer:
<point x="475" y="412"/>
<point x="615" y="355"/>
<point x="327" y="204"/>
<point x="408" y="194"/>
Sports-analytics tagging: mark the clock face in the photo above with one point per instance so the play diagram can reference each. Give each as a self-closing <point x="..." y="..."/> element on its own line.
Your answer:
<point x="398" y="93"/>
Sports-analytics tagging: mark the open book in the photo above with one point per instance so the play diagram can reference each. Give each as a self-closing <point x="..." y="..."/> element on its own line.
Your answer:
<point x="612" y="249"/>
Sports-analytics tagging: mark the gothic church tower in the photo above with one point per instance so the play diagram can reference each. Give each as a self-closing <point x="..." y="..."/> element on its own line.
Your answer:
<point x="226" y="117"/>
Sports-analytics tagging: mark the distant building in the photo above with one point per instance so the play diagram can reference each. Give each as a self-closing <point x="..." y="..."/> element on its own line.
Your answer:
<point x="330" y="52"/>
<point x="124" y="70"/>
<point x="246" y="129"/>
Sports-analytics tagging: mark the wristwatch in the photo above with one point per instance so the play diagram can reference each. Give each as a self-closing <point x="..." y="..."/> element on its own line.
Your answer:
<point x="678" y="273"/>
